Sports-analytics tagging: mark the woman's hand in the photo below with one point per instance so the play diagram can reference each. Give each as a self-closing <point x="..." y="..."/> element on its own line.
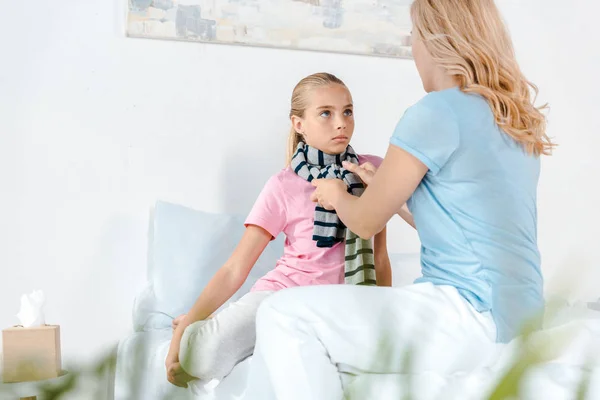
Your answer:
<point x="327" y="191"/>
<point x="365" y="171"/>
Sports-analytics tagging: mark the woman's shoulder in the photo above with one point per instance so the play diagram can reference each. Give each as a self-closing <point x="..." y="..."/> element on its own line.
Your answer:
<point x="439" y="100"/>
<point x="435" y="109"/>
<point x="450" y="103"/>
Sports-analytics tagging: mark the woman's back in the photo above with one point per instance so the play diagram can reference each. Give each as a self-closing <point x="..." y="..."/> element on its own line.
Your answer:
<point x="476" y="207"/>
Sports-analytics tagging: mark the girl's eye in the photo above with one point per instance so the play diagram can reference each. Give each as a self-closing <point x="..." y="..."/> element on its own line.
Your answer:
<point x="348" y="113"/>
<point x="326" y="114"/>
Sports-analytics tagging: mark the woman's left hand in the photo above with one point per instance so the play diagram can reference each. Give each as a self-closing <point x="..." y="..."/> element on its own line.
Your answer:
<point x="327" y="191"/>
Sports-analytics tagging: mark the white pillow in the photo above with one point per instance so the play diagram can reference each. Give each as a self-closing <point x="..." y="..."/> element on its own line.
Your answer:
<point x="187" y="247"/>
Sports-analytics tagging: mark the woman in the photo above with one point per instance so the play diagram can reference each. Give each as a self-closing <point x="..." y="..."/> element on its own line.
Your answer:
<point x="466" y="160"/>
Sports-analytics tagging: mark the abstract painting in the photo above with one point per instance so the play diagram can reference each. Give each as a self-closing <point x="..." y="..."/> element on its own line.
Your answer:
<point x="368" y="27"/>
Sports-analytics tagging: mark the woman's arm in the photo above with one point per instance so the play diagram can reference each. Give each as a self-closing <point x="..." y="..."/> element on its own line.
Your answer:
<point x="383" y="266"/>
<point x="366" y="172"/>
<point x="228" y="279"/>
<point x="395" y="181"/>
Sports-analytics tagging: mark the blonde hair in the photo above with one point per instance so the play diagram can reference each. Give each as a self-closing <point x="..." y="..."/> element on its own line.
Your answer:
<point x="300" y="99"/>
<point x="468" y="38"/>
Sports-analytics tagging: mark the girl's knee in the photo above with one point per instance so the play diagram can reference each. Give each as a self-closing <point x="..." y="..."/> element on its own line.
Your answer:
<point x="198" y="352"/>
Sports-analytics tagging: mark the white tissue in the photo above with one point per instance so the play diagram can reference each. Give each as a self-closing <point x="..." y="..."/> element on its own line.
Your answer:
<point x="32" y="309"/>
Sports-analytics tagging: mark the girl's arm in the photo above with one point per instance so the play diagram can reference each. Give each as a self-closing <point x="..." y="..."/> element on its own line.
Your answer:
<point x="383" y="266"/>
<point x="405" y="214"/>
<point x="228" y="279"/>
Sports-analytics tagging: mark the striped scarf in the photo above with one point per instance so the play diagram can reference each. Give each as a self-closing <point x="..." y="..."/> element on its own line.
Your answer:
<point x="310" y="163"/>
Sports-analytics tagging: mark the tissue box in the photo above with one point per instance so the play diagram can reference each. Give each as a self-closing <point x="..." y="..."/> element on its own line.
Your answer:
<point x="31" y="354"/>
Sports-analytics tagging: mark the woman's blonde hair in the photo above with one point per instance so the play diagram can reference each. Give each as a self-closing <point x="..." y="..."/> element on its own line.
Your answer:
<point x="468" y="38"/>
<point x="300" y="99"/>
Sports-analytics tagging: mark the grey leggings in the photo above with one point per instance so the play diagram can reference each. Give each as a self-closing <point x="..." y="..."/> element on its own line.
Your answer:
<point x="211" y="348"/>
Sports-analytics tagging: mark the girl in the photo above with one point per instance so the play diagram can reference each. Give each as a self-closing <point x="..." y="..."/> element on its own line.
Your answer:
<point x="466" y="157"/>
<point x="318" y="249"/>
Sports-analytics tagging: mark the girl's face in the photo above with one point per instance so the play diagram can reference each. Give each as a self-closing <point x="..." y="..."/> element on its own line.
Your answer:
<point x="328" y="122"/>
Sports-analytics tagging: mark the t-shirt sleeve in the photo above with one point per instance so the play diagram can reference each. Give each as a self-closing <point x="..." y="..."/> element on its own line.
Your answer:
<point x="269" y="210"/>
<point x="375" y="160"/>
<point x="429" y="131"/>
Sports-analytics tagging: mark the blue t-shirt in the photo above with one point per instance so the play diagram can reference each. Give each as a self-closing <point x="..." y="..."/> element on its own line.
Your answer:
<point x="475" y="209"/>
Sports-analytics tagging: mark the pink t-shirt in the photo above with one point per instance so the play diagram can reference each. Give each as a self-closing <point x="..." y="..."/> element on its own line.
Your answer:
<point x="284" y="205"/>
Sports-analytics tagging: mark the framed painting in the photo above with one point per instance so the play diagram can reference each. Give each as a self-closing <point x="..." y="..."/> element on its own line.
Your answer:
<point x="366" y="27"/>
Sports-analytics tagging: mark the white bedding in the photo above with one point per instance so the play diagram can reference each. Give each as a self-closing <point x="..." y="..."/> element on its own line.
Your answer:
<point x="179" y="266"/>
<point x="556" y="378"/>
<point x="141" y="372"/>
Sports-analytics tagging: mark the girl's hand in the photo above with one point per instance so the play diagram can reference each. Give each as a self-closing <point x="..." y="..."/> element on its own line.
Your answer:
<point x="177" y="321"/>
<point x="177" y="376"/>
<point x="171" y="360"/>
<point x="172" y="356"/>
<point x="327" y="191"/>
<point x="175" y="373"/>
<point x="364" y="171"/>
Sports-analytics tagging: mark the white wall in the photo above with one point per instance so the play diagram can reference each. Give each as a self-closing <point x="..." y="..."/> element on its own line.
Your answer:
<point x="557" y="44"/>
<point x="94" y="127"/>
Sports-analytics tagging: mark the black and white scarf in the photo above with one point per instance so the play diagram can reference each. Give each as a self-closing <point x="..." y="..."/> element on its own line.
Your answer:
<point x="310" y="163"/>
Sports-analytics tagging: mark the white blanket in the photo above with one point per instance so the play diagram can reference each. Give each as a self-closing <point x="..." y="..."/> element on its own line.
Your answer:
<point x="141" y="372"/>
<point x="575" y="334"/>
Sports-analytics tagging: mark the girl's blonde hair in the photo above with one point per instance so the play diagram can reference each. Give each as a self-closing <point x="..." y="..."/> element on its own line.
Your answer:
<point x="468" y="38"/>
<point x="300" y="99"/>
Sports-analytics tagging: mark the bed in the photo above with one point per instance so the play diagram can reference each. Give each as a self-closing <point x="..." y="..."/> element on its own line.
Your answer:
<point x="185" y="249"/>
